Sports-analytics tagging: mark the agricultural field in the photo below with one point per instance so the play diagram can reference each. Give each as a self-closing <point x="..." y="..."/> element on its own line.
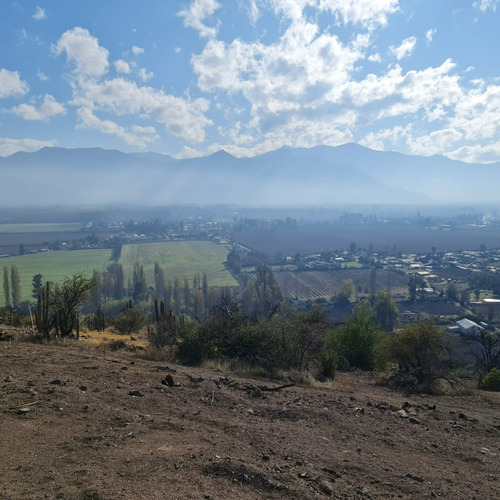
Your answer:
<point x="389" y="237"/>
<point x="181" y="259"/>
<point x="54" y="266"/>
<point x="50" y="227"/>
<point x="312" y="285"/>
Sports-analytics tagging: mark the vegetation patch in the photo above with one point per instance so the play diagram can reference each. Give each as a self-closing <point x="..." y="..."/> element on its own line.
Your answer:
<point x="181" y="259"/>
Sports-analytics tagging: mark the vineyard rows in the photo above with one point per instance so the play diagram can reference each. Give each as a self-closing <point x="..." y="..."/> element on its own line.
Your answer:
<point x="311" y="285"/>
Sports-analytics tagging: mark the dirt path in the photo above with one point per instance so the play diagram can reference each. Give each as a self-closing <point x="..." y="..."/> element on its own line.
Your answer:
<point x="72" y="428"/>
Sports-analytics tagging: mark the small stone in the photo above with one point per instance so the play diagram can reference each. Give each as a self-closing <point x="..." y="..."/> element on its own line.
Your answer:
<point x="124" y="367"/>
<point x="415" y="477"/>
<point x="56" y="381"/>
<point x="137" y="394"/>
<point x="414" y="420"/>
<point x="23" y="411"/>
<point x="382" y="405"/>
<point x="8" y="378"/>
<point x="462" y="416"/>
<point x="83" y="387"/>
<point x="326" y="488"/>
<point x="402" y="414"/>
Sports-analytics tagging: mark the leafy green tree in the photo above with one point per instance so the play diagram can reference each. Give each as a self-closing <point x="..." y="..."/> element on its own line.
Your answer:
<point x="386" y="312"/>
<point x="130" y="320"/>
<point x="37" y="284"/>
<point x="347" y="291"/>
<point x="356" y="341"/>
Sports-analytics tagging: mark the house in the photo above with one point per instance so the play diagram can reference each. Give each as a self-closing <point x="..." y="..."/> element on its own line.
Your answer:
<point x="468" y="327"/>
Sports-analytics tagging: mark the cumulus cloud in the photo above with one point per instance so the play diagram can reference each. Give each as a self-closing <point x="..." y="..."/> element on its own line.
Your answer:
<point x="83" y="50"/>
<point x="134" y="136"/>
<point x="137" y="50"/>
<point x="405" y="49"/>
<point x="48" y="109"/>
<point x="11" y="146"/>
<point x="197" y="13"/>
<point x="11" y="84"/>
<point x="145" y="75"/>
<point x="122" y="66"/>
<point x="39" y="14"/>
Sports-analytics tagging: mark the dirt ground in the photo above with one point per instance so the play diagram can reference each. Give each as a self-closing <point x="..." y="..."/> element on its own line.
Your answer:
<point x="80" y="422"/>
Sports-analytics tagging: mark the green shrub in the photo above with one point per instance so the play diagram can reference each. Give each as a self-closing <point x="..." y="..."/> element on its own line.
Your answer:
<point x="492" y="381"/>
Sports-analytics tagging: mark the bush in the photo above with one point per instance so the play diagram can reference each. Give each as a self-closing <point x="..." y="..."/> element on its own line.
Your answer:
<point x="356" y="341"/>
<point x="492" y="380"/>
<point x="418" y="349"/>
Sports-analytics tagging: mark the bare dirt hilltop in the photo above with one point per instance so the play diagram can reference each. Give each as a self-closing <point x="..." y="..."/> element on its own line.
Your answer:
<point x="78" y="422"/>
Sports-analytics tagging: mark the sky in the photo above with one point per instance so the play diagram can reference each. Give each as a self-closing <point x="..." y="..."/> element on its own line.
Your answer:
<point x="192" y="77"/>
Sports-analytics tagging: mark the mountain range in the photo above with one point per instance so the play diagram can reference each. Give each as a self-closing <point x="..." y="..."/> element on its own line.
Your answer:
<point x="318" y="176"/>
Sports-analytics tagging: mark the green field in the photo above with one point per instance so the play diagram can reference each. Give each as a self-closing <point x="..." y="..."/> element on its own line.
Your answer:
<point x="41" y="228"/>
<point x="53" y="266"/>
<point x="181" y="259"/>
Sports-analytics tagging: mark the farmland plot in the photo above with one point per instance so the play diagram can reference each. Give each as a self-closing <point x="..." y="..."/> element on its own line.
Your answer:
<point x="311" y="285"/>
<point x="54" y="266"/>
<point x="181" y="259"/>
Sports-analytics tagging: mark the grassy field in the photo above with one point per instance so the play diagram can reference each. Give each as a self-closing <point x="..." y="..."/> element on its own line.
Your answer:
<point x="53" y="266"/>
<point x="40" y="228"/>
<point x="181" y="259"/>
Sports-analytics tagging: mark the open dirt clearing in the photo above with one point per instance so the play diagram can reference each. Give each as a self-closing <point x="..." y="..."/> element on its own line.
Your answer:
<point x="79" y="422"/>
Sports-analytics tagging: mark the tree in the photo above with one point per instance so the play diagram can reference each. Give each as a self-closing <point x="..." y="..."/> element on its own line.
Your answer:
<point x="16" y="286"/>
<point x="452" y="293"/>
<point x="140" y="290"/>
<point x="6" y="286"/>
<point x="65" y="300"/>
<point x="37" y="284"/>
<point x="347" y="291"/>
<point x="159" y="281"/>
<point x="356" y="341"/>
<point x="418" y="349"/>
<point x="386" y="312"/>
<point x="489" y="353"/>
<point x="130" y="320"/>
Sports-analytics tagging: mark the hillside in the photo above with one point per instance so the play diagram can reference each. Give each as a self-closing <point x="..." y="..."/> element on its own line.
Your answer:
<point x="86" y="423"/>
<point x="319" y="176"/>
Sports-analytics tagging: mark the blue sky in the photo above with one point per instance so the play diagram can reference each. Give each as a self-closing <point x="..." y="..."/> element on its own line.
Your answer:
<point x="191" y="77"/>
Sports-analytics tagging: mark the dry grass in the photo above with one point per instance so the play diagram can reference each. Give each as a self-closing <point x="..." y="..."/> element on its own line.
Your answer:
<point x="96" y="338"/>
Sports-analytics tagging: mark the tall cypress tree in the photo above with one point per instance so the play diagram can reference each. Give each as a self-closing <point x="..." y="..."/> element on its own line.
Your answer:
<point x="6" y="286"/>
<point x="16" y="286"/>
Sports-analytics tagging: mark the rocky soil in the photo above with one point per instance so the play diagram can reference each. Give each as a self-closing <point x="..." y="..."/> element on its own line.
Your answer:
<point x="79" y="422"/>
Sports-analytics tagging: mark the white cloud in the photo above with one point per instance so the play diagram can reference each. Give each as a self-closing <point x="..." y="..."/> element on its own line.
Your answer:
<point x="405" y="49"/>
<point x="42" y="76"/>
<point x="136" y="136"/>
<point x="145" y="75"/>
<point x="122" y="66"/>
<point x="366" y="13"/>
<point x="484" y="5"/>
<point x="11" y="84"/>
<point x="197" y="13"/>
<point x="137" y="50"/>
<point x="429" y="35"/>
<point x="83" y="50"/>
<point x="48" y="109"/>
<point x="11" y="146"/>
<point x="375" y="58"/>
<point x="181" y="117"/>
<point x="39" y="14"/>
